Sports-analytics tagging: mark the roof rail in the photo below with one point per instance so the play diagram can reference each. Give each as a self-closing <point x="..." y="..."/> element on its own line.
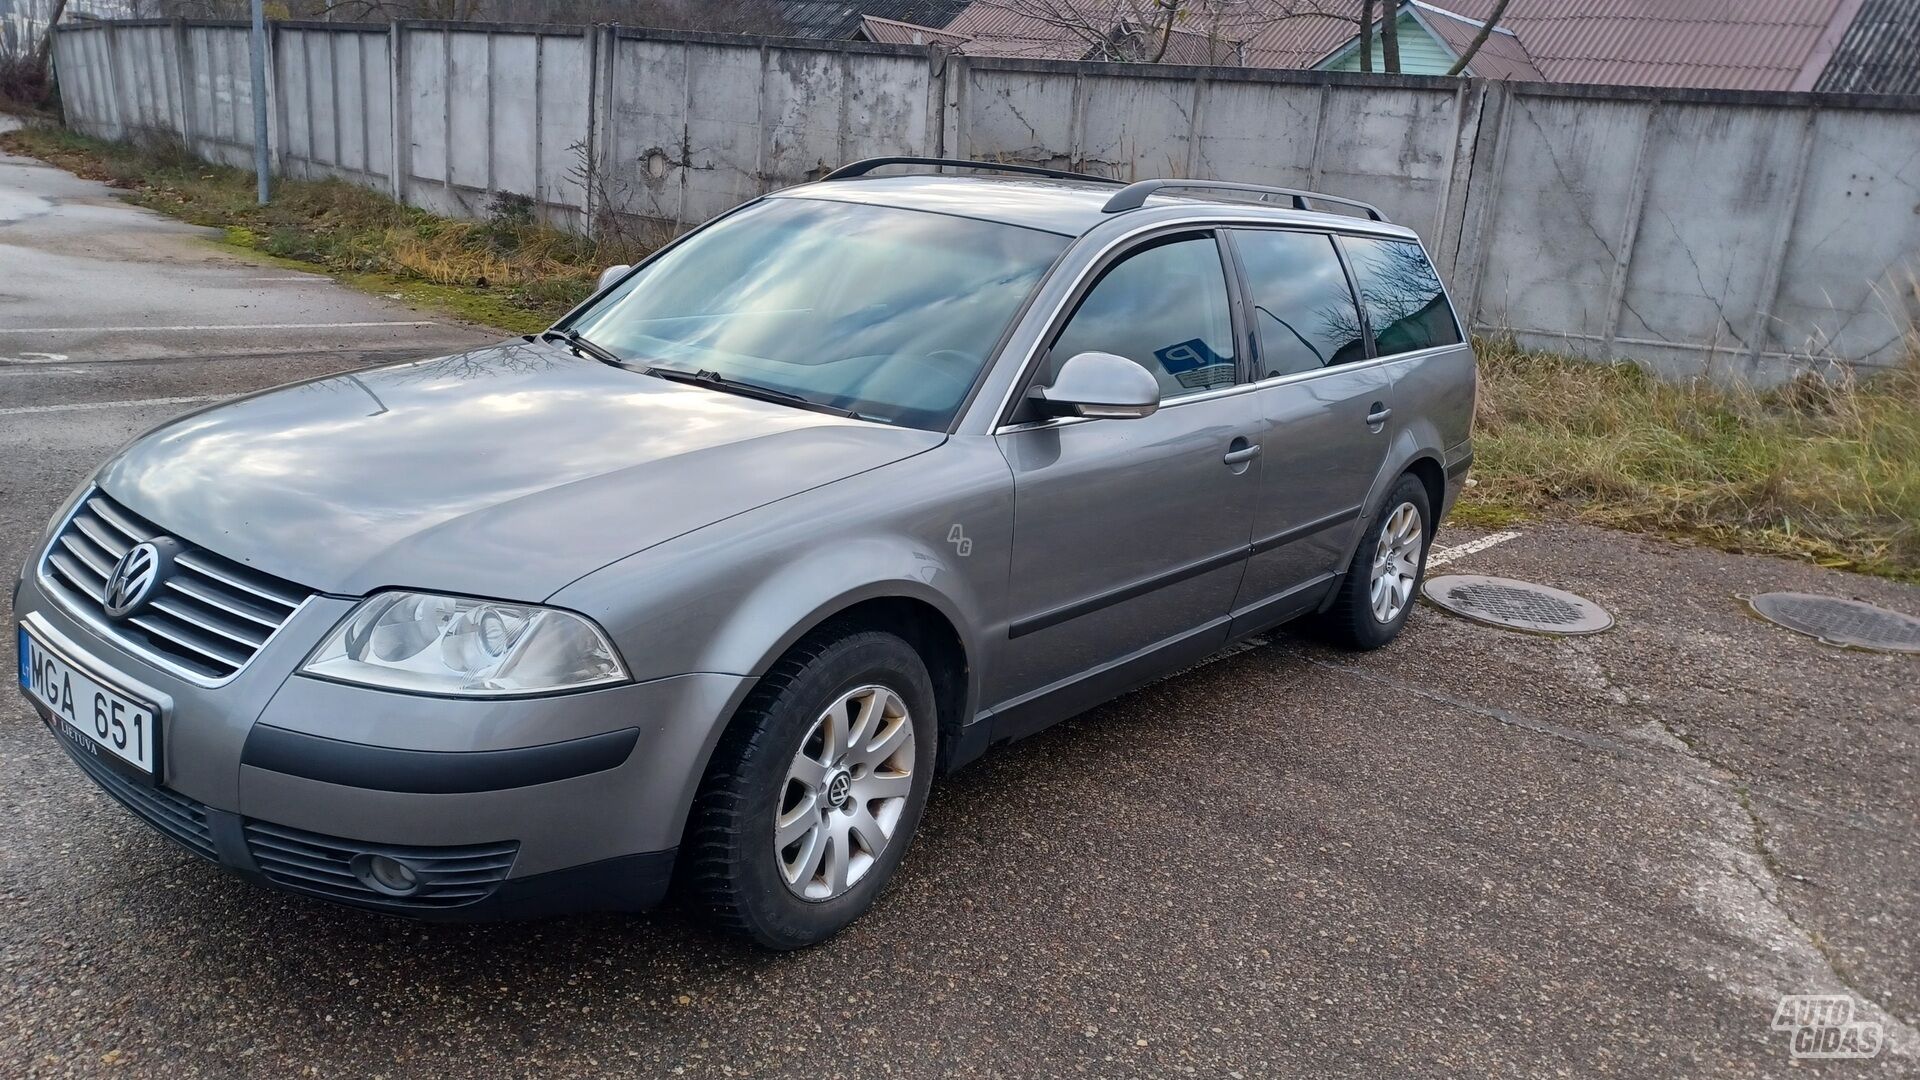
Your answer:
<point x="1134" y="195"/>
<point x="867" y="165"/>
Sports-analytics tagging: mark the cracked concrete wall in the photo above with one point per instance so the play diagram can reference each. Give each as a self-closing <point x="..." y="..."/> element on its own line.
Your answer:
<point x="1736" y="235"/>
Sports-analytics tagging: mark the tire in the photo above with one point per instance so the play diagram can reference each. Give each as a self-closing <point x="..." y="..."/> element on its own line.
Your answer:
<point x="735" y="873"/>
<point x="1353" y="620"/>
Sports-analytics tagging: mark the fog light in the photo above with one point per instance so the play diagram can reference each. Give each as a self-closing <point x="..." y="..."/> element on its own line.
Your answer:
<point x="385" y="874"/>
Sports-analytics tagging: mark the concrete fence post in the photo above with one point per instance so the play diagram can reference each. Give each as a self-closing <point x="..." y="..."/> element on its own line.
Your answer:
<point x="185" y="82"/>
<point x="953" y="106"/>
<point x="1629" y="232"/>
<point x="1769" y="294"/>
<point x="121" y="129"/>
<point x="399" y="143"/>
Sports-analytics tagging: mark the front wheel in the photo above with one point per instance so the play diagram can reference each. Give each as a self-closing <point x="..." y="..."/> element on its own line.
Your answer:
<point x="815" y="790"/>
<point x="1378" y="591"/>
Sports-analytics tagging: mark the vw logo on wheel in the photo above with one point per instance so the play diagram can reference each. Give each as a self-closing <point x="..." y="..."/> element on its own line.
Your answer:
<point x="135" y="576"/>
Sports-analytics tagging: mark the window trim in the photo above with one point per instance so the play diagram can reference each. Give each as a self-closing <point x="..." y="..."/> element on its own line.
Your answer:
<point x="1089" y="280"/>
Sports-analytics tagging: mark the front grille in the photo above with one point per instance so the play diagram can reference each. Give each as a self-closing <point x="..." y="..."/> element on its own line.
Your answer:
<point x="175" y="815"/>
<point x="321" y="866"/>
<point x="209" y="617"/>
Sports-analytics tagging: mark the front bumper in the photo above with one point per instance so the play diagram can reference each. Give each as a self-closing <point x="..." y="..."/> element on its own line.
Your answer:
<point x="504" y="809"/>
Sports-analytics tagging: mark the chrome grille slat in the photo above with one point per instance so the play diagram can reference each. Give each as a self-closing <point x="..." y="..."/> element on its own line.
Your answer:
<point x="209" y="649"/>
<point x="180" y="611"/>
<point x="195" y="560"/>
<point x="208" y="621"/>
<point x="187" y="586"/>
<point x="93" y="531"/>
<point x="106" y="511"/>
<point x="76" y="577"/>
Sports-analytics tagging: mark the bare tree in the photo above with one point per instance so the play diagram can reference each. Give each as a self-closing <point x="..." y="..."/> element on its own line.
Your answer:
<point x="1366" y="34"/>
<point x="1479" y="39"/>
<point x="1390" y="37"/>
<point x="1156" y="31"/>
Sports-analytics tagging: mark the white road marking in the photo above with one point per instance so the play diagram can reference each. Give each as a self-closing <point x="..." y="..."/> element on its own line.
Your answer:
<point x="79" y="405"/>
<point x="233" y="326"/>
<point x="34" y="358"/>
<point x="1445" y="555"/>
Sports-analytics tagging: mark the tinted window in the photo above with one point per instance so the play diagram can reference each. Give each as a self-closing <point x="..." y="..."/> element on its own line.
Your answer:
<point x="1164" y="308"/>
<point x="888" y="312"/>
<point x="1302" y="306"/>
<point x="1405" y="305"/>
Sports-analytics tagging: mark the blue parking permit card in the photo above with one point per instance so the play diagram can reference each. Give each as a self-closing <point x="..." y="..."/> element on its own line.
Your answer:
<point x="1187" y="355"/>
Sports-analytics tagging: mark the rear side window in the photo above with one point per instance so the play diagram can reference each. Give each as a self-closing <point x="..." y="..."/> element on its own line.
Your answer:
<point x="1163" y="307"/>
<point x="1303" y="308"/>
<point x="1405" y="305"/>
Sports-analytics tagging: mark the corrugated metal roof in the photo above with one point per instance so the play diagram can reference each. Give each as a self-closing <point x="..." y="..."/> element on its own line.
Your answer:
<point x="1501" y="56"/>
<point x="836" y="20"/>
<point x="1880" y="53"/>
<point x="1733" y="44"/>
<point x="895" y="32"/>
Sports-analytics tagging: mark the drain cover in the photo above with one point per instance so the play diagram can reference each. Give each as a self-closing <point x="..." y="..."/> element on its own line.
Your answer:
<point x="1517" y="605"/>
<point x="1838" y="621"/>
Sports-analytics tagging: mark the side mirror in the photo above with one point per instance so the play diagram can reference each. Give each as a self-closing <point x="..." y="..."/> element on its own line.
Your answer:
<point x="1102" y="386"/>
<point x="610" y="275"/>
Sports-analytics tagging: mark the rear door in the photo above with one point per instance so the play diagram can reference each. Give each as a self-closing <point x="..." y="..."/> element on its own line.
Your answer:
<point x="1130" y="535"/>
<point x="1324" y="400"/>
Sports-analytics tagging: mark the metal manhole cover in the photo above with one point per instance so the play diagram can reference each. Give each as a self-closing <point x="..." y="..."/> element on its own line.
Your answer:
<point x="1517" y="605"/>
<point x="1836" y="621"/>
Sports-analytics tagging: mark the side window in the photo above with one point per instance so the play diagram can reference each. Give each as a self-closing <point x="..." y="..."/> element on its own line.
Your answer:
<point x="1405" y="304"/>
<point x="1302" y="306"/>
<point x="1164" y="308"/>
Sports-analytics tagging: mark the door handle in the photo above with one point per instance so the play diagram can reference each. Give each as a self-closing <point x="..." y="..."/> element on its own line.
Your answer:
<point x="1242" y="455"/>
<point x="1379" y="414"/>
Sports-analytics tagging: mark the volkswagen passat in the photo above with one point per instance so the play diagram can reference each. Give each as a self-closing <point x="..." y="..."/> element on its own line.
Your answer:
<point x="708" y="582"/>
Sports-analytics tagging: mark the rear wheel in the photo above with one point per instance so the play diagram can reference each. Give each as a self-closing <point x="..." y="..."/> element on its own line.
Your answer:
<point x="1378" y="591"/>
<point x="815" y="790"/>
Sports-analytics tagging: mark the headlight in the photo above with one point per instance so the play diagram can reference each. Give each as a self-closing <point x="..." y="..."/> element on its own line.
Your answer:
<point x="430" y="644"/>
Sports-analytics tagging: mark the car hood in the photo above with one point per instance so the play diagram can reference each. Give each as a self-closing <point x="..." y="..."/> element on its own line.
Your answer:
<point x="504" y="472"/>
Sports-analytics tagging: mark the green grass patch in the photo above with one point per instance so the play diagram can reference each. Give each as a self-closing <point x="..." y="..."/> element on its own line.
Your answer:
<point x="1821" y="469"/>
<point x="508" y="271"/>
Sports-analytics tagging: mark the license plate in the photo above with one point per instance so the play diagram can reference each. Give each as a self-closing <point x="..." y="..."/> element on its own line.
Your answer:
<point x="94" y="716"/>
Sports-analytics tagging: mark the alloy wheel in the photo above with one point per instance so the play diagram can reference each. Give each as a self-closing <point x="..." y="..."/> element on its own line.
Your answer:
<point x="1396" y="562"/>
<point x="844" y="793"/>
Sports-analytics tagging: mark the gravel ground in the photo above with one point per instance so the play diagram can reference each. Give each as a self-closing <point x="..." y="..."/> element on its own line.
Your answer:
<point x="1474" y="853"/>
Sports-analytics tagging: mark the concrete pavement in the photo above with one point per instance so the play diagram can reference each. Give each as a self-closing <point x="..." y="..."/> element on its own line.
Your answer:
<point x="1475" y="853"/>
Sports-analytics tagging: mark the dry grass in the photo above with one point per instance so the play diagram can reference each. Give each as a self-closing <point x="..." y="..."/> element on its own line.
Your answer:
<point x="1827" y="470"/>
<point x="508" y="270"/>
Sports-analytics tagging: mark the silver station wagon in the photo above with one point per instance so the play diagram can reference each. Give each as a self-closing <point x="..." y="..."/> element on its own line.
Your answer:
<point x="699" y="590"/>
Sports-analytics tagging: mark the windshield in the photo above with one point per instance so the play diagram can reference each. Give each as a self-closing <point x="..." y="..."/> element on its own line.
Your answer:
<point x="883" y="312"/>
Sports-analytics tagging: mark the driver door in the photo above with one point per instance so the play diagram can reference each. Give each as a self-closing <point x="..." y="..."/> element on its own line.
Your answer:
<point x="1131" y="535"/>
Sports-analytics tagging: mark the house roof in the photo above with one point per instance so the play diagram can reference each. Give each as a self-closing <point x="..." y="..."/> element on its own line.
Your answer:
<point x="836" y="20"/>
<point x="1880" y="52"/>
<point x="1733" y="44"/>
<point x="1501" y="56"/>
<point x="895" y="32"/>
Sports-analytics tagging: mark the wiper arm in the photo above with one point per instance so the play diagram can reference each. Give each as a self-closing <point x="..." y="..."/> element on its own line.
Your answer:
<point x="715" y="381"/>
<point x="581" y="344"/>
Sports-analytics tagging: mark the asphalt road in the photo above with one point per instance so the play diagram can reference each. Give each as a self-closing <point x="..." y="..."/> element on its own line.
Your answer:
<point x="1474" y="853"/>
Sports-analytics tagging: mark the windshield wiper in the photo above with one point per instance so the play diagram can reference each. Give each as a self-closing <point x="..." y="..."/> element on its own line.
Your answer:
<point x="580" y="344"/>
<point x="715" y="381"/>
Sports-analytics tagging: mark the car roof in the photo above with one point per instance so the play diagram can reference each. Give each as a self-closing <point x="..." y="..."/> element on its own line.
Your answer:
<point x="1067" y="207"/>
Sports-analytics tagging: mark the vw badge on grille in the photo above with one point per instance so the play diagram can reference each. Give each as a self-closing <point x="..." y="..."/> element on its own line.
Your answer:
<point x="134" y="578"/>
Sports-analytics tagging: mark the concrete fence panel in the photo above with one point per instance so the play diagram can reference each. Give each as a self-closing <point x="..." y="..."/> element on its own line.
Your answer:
<point x="1699" y="232"/>
<point x="219" y="92"/>
<point x="699" y="123"/>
